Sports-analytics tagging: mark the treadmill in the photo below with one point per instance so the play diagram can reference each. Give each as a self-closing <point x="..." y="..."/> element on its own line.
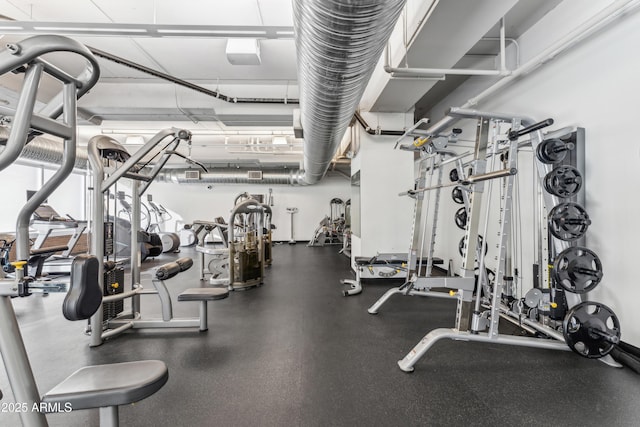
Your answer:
<point x="45" y="221"/>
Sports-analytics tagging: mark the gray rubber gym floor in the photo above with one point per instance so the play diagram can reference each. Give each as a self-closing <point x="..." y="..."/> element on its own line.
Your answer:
<point x="295" y="352"/>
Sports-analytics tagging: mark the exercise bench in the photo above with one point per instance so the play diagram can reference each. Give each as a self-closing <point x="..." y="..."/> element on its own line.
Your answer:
<point x="202" y="295"/>
<point x="101" y="386"/>
<point x="381" y="266"/>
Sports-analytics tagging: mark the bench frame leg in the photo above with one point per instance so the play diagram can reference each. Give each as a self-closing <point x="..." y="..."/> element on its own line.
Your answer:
<point x="204" y="324"/>
<point x="109" y="416"/>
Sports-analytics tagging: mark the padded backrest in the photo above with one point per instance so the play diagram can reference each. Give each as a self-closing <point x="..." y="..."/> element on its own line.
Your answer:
<point x="84" y="296"/>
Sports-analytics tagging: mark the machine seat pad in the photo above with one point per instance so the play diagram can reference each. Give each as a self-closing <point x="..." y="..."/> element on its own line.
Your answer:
<point x="203" y="294"/>
<point x="110" y="385"/>
<point x="84" y="296"/>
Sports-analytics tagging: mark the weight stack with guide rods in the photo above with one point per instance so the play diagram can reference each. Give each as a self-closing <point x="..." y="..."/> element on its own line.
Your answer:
<point x="113" y="284"/>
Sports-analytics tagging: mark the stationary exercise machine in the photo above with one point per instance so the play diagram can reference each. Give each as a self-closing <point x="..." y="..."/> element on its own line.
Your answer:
<point x="109" y="163"/>
<point x="170" y="241"/>
<point x="102" y="386"/>
<point x="246" y="246"/>
<point x="267" y="229"/>
<point x="331" y="228"/>
<point x="589" y="328"/>
<point x="215" y="257"/>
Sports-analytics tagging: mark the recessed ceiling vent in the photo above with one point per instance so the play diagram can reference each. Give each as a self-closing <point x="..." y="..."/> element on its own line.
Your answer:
<point x="193" y="175"/>
<point x="254" y="175"/>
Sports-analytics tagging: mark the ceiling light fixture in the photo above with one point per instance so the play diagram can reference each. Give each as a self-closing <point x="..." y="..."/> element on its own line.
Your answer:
<point x="279" y="140"/>
<point x="243" y="51"/>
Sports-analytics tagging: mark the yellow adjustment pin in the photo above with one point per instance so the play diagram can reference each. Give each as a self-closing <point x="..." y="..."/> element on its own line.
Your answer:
<point x="19" y="265"/>
<point x="554" y="305"/>
<point x="452" y="293"/>
<point x="115" y="285"/>
<point x="420" y="141"/>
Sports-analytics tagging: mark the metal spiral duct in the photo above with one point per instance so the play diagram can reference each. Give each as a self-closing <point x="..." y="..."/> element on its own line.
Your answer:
<point x="338" y="44"/>
<point x="45" y="150"/>
<point x="230" y="176"/>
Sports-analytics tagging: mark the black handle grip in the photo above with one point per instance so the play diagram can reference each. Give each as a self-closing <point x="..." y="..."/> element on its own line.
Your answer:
<point x="515" y="134"/>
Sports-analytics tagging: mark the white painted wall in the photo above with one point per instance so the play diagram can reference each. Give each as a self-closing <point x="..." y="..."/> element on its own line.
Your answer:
<point x="16" y="180"/>
<point x="69" y="197"/>
<point x="595" y="86"/>
<point x="384" y="172"/>
<point x="195" y="201"/>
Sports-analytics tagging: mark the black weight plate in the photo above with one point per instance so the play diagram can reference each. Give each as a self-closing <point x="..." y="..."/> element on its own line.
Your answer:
<point x="591" y="329"/>
<point x="462" y="245"/>
<point x="568" y="221"/>
<point x="453" y="175"/>
<point x="456" y="195"/>
<point x="552" y="150"/>
<point x="563" y="181"/>
<point x="461" y="218"/>
<point x="577" y="269"/>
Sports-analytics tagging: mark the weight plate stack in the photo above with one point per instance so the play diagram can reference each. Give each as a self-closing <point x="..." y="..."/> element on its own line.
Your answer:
<point x="591" y="329"/>
<point x="563" y="181"/>
<point x="577" y="269"/>
<point x="461" y="218"/>
<point x="568" y="221"/>
<point x="553" y="150"/>
<point x="456" y="195"/>
<point x="462" y="245"/>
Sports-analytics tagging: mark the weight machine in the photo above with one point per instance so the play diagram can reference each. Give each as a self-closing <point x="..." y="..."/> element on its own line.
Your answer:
<point x="331" y="229"/>
<point x="240" y="263"/>
<point x="266" y="235"/>
<point x="246" y="245"/>
<point x="109" y="163"/>
<point x="589" y="328"/>
<point x="102" y="386"/>
<point x="218" y="263"/>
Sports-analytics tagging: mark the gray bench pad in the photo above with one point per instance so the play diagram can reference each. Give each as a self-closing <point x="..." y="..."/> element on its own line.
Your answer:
<point x="203" y="294"/>
<point x="110" y="385"/>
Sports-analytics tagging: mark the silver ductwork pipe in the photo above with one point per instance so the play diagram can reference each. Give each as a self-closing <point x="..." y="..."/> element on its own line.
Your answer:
<point x="338" y="44"/>
<point x="231" y="176"/>
<point x="41" y="149"/>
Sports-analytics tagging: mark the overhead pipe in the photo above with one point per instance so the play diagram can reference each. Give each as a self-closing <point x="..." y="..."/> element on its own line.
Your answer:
<point x="338" y="44"/>
<point x="41" y="149"/>
<point x="372" y="131"/>
<point x="180" y="82"/>
<point x="139" y="67"/>
<point x="592" y="25"/>
<point x="440" y="73"/>
<point x="233" y="176"/>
